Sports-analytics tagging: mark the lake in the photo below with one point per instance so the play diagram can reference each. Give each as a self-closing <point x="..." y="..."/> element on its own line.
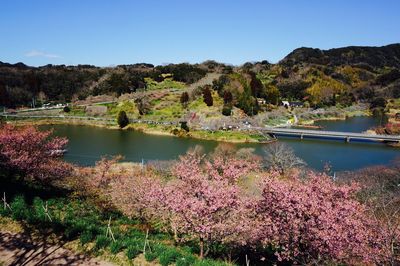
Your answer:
<point x="88" y="144"/>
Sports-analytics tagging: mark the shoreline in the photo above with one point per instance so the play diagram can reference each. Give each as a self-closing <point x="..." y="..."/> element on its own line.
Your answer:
<point x="226" y="136"/>
<point x="174" y="131"/>
<point x="311" y="122"/>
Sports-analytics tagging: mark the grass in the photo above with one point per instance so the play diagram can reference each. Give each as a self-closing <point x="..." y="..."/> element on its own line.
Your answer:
<point x="128" y="106"/>
<point x="167" y="83"/>
<point x="76" y="111"/>
<point x="76" y="220"/>
<point x="170" y="112"/>
<point x="231" y="136"/>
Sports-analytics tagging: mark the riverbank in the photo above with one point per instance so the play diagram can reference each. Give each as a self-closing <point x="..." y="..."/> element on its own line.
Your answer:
<point x="219" y="135"/>
<point x="158" y="130"/>
<point x="336" y="115"/>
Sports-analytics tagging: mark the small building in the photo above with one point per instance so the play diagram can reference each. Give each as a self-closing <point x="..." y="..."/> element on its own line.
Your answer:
<point x="288" y="104"/>
<point x="397" y="116"/>
<point x="261" y="101"/>
<point x="296" y="104"/>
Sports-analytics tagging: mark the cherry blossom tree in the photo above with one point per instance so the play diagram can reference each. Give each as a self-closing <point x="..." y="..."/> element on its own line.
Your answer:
<point x="380" y="192"/>
<point x="315" y="220"/>
<point x="133" y="193"/>
<point x="205" y="199"/>
<point x="308" y="219"/>
<point x="32" y="153"/>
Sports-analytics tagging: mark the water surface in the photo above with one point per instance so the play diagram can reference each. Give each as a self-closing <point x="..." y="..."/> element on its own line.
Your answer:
<point x="87" y="145"/>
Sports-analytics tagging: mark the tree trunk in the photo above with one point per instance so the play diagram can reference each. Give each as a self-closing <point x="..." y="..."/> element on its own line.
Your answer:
<point x="201" y="248"/>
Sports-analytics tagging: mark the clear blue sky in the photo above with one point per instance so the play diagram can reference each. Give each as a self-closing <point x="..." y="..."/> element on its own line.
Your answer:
<point x="103" y="33"/>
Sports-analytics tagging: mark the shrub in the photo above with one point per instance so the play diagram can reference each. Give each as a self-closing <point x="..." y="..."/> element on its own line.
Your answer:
<point x="169" y="256"/>
<point x="74" y="228"/>
<point x="86" y="237"/>
<point x="226" y="110"/>
<point x="150" y="256"/>
<point x="159" y="248"/>
<point x="209" y="263"/>
<point x="39" y="214"/>
<point x="5" y="212"/>
<point x="132" y="251"/>
<point x="122" y="119"/>
<point x="186" y="260"/>
<point x="116" y="247"/>
<point x="19" y="208"/>
<point x="185" y="126"/>
<point x="66" y="109"/>
<point x="101" y="242"/>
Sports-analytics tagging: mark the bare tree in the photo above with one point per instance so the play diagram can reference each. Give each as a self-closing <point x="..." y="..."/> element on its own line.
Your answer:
<point x="143" y="103"/>
<point x="281" y="157"/>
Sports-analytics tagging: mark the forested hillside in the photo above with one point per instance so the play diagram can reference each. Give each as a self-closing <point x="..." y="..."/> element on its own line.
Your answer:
<point x="316" y="77"/>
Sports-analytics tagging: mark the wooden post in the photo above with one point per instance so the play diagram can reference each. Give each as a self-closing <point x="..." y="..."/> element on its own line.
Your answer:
<point x="46" y="212"/>
<point x="146" y="242"/>
<point x="109" y="230"/>
<point x="6" y="205"/>
<point x="247" y="261"/>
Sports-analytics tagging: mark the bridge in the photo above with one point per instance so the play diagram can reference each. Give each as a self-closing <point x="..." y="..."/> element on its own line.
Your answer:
<point x="346" y="136"/>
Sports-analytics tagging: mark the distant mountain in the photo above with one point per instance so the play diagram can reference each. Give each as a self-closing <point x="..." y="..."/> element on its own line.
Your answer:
<point x="374" y="57"/>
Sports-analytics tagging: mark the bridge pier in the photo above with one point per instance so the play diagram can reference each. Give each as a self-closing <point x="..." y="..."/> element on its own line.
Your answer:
<point x="347" y="139"/>
<point x="301" y="136"/>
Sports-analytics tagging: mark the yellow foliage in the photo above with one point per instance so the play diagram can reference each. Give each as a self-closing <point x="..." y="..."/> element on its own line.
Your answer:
<point x="324" y="87"/>
<point x="353" y="75"/>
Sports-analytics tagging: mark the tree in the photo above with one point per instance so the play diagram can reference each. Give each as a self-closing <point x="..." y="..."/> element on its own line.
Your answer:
<point x="122" y="119"/>
<point x="228" y="97"/>
<point x="378" y="103"/>
<point x="132" y="192"/>
<point x="184" y="98"/>
<point x="66" y="109"/>
<point x="205" y="200"/>
<point x="272" y="94"/>
<point x="32" y="154"/>
<point x="142" y="104"/>
<point x="281" y="157"/>
<point x="227" y="110"/>
<point x="207" y="97"/>
<point x="381" y="193"/>
<point x="314" y="220"/>
<point x="184" y="126"/>
<point x="248" y="104"/>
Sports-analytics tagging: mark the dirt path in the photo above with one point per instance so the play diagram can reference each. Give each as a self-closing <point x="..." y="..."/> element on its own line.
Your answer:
<point x="20" y="249"/>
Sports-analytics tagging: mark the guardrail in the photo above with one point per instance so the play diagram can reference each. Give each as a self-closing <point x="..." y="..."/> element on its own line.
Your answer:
<point x="347" y="136"/>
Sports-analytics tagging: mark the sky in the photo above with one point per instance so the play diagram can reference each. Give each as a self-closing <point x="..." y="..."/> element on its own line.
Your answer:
<point x="106" y="33"/>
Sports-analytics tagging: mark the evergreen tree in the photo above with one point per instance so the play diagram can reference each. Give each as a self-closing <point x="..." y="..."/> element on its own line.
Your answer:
<point x="207" y="97"/>
<point x="228" y="97"/>
<point x="122" y="119"/>
<point x="184" y="98"/>
<point x="227" y="109"/>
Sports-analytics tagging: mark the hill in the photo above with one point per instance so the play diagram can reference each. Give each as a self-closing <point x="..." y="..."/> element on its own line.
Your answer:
<point x="316" y="77"/>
